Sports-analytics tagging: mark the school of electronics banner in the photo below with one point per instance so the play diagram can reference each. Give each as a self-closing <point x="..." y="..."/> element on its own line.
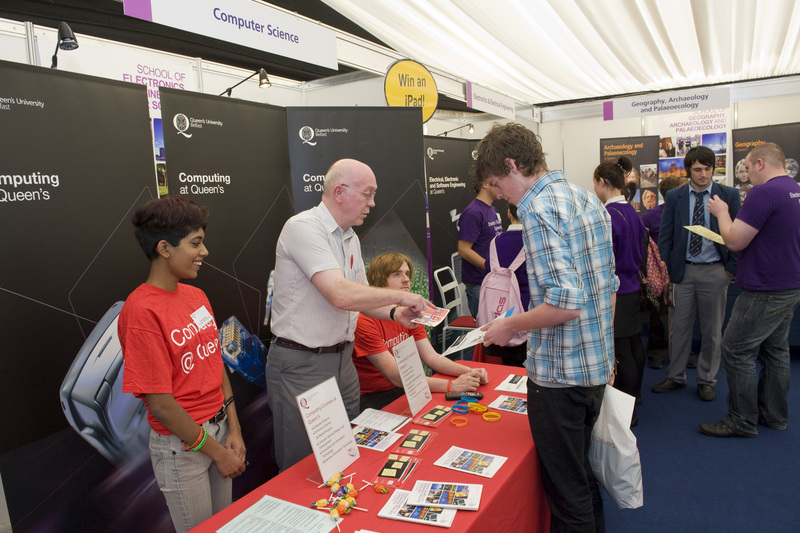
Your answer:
<point x="77" y="161"/>
<point x="389" y="140"/>
<point x="447" y="164"/>
<point x="787" y="136"/>
<point x="643" y="151"/>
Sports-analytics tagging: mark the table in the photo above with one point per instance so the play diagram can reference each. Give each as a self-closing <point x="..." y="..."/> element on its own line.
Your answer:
<point x="513" y="500"/>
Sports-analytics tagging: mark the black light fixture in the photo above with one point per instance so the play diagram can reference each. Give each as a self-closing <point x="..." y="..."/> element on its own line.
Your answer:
<point x="66" y="41"/>
<point x="263" y="81"/>
<point x="471" y="130"/>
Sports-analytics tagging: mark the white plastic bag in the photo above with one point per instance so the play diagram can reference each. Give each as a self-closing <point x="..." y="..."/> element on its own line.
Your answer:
<point x="613" y="453"/>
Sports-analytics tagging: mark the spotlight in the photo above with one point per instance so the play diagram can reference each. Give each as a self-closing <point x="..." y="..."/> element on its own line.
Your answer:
<point x="66" y="41"/>
<point x="263" y="81"/>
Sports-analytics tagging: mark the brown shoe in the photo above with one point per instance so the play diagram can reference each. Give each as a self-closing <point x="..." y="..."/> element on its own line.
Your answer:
<point x="723" y="430"/>
<point x="706" y="392"/>
<point x="666" y="386"/>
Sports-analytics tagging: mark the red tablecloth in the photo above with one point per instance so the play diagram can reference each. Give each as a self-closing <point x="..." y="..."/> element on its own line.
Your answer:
<point x="513" y="500"/>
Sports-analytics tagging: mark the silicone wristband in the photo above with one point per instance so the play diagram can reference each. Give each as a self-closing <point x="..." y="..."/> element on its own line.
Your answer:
<point x="478" y="408"/>
<point x="491" y="416"/>
<point x="468" y="399"/>
<point x="460" y="409"/>
<point x="449" y="382"/>
<point x="459" y="421"/>
<point x="199" y="438"/>
<point x="205" y="436"/>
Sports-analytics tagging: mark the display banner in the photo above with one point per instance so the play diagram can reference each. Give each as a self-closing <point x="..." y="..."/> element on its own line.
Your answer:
<point x="644" y="153"/>
<point x="389" y="140"/>
<point x="745" y="139"/>
<point x="232" y="156"/>
<point x="244" y="22"/>
<point x="447" y="163"/>
<point x="693" y="100"/>
<point x="77" y="161"/>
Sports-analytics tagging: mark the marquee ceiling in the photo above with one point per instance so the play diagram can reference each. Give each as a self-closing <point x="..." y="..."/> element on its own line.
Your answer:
<point x="546" y="51"/>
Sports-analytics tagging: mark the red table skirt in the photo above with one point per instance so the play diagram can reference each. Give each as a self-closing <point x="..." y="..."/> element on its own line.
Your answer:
<point x="513" y="500"/>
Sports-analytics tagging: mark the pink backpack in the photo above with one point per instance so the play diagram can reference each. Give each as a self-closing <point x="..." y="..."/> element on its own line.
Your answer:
<point x="500" y="292"/>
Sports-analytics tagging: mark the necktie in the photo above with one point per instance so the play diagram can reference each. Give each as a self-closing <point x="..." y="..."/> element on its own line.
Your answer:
<point x="698" y="219"/>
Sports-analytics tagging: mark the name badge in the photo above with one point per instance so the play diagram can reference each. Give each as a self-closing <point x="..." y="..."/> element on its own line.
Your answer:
<point x="202" y="317"/>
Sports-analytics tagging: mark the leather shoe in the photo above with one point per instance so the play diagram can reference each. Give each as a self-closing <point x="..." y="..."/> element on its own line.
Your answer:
<point x="723" y="430"/>
<point x="666" y="386"/>
<point x="706" y="392"/>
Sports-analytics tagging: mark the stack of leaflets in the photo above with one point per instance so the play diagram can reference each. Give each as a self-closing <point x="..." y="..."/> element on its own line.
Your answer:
<point x="398" y="508"/>
<point x="446" y="495"/>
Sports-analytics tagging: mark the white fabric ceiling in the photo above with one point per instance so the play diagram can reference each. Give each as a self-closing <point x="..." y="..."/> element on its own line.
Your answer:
<point x="544" y="51"/>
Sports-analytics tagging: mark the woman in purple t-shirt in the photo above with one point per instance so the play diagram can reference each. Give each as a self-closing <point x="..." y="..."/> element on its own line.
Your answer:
<point x="627" y="233"/>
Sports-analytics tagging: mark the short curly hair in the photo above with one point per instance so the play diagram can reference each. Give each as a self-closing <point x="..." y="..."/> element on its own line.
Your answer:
<point x="508" y="141"/>
<point x="167" y="219"/>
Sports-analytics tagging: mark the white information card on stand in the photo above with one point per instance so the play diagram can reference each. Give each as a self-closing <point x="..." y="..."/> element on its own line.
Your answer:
<point x="415" y="383"/>
<point x="328" y="428"/>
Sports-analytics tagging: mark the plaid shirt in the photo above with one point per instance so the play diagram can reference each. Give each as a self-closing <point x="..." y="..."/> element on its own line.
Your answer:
<point x="567" y="235"/>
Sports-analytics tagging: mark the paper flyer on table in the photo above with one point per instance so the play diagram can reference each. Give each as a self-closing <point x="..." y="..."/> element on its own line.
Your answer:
<point x="382" y="420"/>
<point x="446" y="495"/>
<point x="471" y="462"/>
<point x="431" y="317"/>
<point x="412" y="374"/>
<point x="510" y="403"/>
<point x="272" y="514"/>
<point x="374" y="439"/>
<point x="396" y="509"/>
<point x="328" y="428"/>
<point x="471" y="338"/>
<point x="707" y="233"/>
<point x="514" y="383"/>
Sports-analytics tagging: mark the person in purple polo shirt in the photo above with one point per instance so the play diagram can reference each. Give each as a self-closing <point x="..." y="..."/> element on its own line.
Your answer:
<point x="766" y="233"/>
<point x="478" y="224"/>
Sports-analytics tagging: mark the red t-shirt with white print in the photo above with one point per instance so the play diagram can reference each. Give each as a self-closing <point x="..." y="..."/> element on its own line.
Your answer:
<point x="170" y="344"/>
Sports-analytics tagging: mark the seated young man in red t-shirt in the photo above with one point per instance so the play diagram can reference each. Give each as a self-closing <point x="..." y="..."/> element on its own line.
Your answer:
<point x="376" y="339"/>
<point x="173" y="363"/>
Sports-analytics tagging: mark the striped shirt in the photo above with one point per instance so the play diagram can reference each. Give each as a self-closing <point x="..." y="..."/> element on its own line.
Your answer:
<point x="570" y="260"/>
<point x="312" y="242"/>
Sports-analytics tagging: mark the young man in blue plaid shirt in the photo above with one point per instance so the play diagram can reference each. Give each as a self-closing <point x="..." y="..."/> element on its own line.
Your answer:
<point x="570" y="262"/>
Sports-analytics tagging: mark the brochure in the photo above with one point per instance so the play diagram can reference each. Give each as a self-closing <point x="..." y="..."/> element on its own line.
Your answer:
<point x="510" y="403"/>
<point x="470" y="461"/>
<point x="382" y="420"/>
<point x="514" y="383"/>
<point x="397" y="509"/>
<point x="374" y="439"/>
<point x="471" y="338"/>
<point x="446" y="495"/>
<point x="431" y="317"/>
<point x="272" y="514"/>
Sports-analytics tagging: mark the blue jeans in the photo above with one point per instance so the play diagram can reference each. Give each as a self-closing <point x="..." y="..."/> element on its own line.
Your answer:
<point x="473" y="291"/>
<point x="561" y="421"/>
<point x="758" y="330"/>
<point x="190" y="481"/>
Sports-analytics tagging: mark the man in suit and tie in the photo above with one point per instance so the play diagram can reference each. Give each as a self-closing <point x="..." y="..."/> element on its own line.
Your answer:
<point x="700" y="269"/>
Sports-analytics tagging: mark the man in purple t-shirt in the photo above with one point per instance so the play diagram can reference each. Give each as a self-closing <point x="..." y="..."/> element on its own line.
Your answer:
<point x="766" y="233"/>
<point x="478" y="224"/>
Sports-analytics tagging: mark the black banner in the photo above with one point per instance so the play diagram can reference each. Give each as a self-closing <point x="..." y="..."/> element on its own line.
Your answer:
<point x="389" y="140"/>
<point x="232" y="156"/>
<point x="643" y="151"/>
<point x="77" y="161"/>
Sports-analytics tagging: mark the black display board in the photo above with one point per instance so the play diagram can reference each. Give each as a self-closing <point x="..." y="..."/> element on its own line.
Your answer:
<point x="389" y="140"/>
<point x="77" y="161"/>
<point x="644" y="153"/>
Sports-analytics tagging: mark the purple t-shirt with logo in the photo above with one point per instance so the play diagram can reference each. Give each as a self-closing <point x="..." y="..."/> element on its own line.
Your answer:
<point x="479" y="223"/>
<point x="769" y="263"/>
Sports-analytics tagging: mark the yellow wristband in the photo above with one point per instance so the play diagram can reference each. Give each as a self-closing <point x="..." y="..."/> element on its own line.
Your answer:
<point x="459" y="421"/>
<point x="491" y="416"/>
<point x="477" y="408"/>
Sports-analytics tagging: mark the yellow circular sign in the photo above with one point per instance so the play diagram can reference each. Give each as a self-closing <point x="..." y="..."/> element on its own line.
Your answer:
<point x="409" y="84"/>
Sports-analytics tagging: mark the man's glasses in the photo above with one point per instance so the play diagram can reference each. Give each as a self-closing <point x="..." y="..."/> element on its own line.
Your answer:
<point x="368" y="195"/>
